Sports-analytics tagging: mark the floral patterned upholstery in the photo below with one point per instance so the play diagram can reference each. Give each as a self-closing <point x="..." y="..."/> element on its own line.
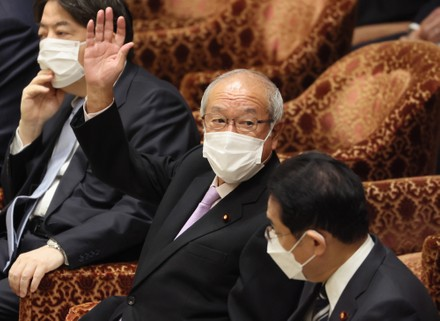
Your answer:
<point x="377" y="109"/>
<point x="63" y="288"/>
<point x="291" y="41"/>
<point x="405" y="215"/>
<point x="404" y="211"/>
<point x="431" y="266"/>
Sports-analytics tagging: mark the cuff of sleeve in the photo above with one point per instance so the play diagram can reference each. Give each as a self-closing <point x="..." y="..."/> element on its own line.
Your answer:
<point x="413" y="26"/>
<point x="54" y="244"/>
<point x="17" y="144"/>
<point x="88" y="116"/>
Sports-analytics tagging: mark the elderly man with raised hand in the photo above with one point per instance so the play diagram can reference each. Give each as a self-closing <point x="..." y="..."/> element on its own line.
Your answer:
<point x="214" y="198"/>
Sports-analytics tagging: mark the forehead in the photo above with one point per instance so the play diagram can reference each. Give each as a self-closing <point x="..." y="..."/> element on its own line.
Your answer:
<point x="55" y="15"/>
<point x="238" y="94"/>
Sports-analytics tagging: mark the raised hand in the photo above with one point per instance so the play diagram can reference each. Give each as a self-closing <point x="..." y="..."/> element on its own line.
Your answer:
<point x="104" y="58"/>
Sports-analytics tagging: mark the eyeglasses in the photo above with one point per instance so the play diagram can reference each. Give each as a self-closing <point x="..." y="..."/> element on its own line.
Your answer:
<point x="270" y="233"/>
<point x="243" y="124"/>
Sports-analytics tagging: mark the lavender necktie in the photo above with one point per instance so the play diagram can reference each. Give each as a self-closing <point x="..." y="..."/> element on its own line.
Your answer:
<point x="208" y="200"/>
<point x="61" y="152"/>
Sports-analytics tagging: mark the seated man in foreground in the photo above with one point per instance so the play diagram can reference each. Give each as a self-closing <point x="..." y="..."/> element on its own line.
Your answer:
<point x="319" y="233"/>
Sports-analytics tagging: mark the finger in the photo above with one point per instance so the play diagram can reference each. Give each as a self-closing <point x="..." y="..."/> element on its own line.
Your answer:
<point x="108" y="26"/>
<point x="36" y="279"/>
<point x="90" y="40"/>
<point x="14" y="278"/>
<point x="120" y="31"/>
<point x="35" y="90"/>
<point x="25" y="279"/>
<point x="123" y="52"/>
<point x="99" y="29"/>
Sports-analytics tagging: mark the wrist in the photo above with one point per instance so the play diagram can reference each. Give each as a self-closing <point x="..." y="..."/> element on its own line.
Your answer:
<point x="412" y="27"/>
<point x="54" y="245"/>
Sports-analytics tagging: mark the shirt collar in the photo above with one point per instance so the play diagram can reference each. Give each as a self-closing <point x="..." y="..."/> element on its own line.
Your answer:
<point x="225" y="188"/>
<point x="337" y="282"/>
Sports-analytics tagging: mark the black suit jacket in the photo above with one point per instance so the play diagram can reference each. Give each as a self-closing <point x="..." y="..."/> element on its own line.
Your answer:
<point x="18" y="56"/>
<point x="189" y="278"/>
<point x="383" y="288"/>
<point x="92" y="221"/>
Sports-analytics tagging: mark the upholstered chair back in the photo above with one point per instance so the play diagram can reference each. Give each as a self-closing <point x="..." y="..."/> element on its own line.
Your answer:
<point x="279" y="34"/>
<point x="377" y="109"/>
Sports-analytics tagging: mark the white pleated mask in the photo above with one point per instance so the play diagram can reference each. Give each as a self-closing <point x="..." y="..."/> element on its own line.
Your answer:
<point x="233" y="157"/>
<point x="61" y="56"/>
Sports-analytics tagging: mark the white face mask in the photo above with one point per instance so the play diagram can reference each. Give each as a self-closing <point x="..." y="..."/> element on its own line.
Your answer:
<point x="233" y="157"/>
<point x="285" y="260"/>
<point x="61" y="56"/>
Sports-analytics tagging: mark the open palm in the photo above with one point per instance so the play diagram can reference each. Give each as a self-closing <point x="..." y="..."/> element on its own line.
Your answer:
<point x="105" y="53"/>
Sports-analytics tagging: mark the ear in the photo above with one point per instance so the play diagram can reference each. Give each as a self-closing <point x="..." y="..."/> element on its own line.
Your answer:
<point x="319" y="242"/>
<point x="277" y="129"/>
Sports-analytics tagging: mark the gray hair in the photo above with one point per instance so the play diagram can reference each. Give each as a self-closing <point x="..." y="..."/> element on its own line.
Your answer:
<point x="275" y="101"/>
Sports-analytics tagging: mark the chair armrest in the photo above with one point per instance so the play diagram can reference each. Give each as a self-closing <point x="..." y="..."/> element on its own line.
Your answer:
<point x="63" y="288"/>
<point x="77" y="311"/>
<point x="431" y="266"/>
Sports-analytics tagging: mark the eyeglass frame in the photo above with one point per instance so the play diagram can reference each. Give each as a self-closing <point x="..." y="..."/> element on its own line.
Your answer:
<point x="269" y="229"/>
<point x="229" y="120"/>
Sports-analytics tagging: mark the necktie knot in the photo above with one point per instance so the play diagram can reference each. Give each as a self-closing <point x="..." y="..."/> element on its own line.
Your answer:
<point x="211" y="196"/>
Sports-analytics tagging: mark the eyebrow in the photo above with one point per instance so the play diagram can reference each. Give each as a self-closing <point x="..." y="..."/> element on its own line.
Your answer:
<point x="248" y="110"/>
<point x="57" y="24"/>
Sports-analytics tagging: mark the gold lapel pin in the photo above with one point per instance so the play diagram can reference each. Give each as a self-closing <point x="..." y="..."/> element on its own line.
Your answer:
<point x="226" y="218"/>
<point x="343" y="316"/>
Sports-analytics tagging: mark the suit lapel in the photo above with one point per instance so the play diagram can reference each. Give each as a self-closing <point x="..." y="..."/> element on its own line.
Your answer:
<point x="309" y="294"/>
<point x="228" y="211"/>
<point x="73" y="175"/>
<point x="181" y="212"/>
<point x="359" y="283"/>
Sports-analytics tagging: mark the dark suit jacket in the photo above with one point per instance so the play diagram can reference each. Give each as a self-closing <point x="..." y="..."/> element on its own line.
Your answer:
<point x="188" y="278"/>
<point x="383" y="288"/>
<point x="18" y="56"/>
<point x="379" y="11"/>
<point x="92" y="221"/>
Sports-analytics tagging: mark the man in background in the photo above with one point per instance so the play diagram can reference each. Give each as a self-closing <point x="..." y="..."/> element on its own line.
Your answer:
<point x="59" y="212"/>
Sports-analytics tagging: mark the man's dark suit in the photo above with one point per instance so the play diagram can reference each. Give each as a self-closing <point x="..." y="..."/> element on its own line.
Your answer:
<point x="18" y="56"/>
<point x="383" y="288"/>
<point x="90" y="220"/>
<point x="189" y="278"/>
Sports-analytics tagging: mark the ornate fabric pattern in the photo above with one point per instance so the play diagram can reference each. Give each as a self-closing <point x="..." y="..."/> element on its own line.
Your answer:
<point x="63" y="288"/>
<point x="404" y="211"/>
<point x="169" y="14"/>
<point x="377" y="109"/>
<point x="431" y="266"/>
<point x="247" y="33"/>
<point x="77" y="311"/>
